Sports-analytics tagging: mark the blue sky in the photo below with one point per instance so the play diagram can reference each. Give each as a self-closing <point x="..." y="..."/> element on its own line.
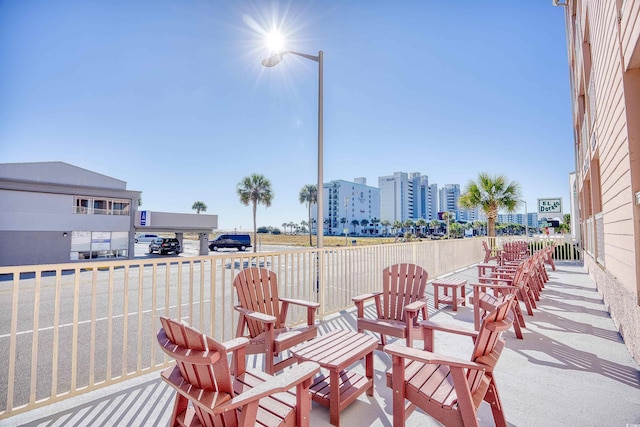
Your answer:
<point x="171" y="97"/>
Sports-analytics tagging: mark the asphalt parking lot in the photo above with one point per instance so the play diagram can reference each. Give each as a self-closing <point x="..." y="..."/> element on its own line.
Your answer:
<point x="191" y="248"/>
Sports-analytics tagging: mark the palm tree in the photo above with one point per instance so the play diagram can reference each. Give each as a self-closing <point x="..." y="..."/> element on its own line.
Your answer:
<point x="355" y="223"/>
<point x="343" y="221"/>
<point x="435" y="224"/>
<point x="456" y="229"/>
<point x="446" y="216"/>
<point x="491" y="193"/>
<point x="421" y="223"/>
<point x="255" y="189"/>
<point x="199" y="207"/>
<point x="385" y="223"/>
<point x="409" y="224"/>
<point x="284" y="227"/>
<point x="364" y="223"/>
<point x="396" y="226"/>
<point x="309" y="195"/>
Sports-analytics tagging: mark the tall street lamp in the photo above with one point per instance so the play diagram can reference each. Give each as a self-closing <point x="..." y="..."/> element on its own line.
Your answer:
<point x="274" y="60"/>
<point x="526" y="220"/>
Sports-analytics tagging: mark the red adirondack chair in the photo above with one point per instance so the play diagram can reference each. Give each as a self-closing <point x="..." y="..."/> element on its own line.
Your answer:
<point x="447" y="388"/>
<point x="398" y="305"/>
<point x="208" y="395"/>
<point x="263" y="315"/>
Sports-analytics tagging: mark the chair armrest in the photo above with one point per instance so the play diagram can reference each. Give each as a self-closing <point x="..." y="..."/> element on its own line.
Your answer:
<point x="301" y="302"/>
<point x="481" y="286"/>
<point x="365" y="297"/>
<point x="237" y="348"/>
<point x="235" y="343"/>
<point x="431" y="358"/>
<point x="434" y="326"/>
<point x="257" y="316"/>
<point x="312" y="307"/>
<point x="494" y="280"/>
<point x="283" y="382"/>
<point x="360" y="299"/>
<point x="415" y="306"/>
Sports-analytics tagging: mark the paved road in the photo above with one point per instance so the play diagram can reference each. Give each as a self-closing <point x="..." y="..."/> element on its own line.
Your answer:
<point x="128" y="297"/>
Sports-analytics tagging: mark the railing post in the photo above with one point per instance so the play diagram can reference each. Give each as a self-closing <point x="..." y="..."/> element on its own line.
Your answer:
<point x="321" y="282"/>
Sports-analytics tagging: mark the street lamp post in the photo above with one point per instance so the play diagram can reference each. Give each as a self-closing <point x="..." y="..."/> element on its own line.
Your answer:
<point x="344" y="229"/>
<point x="274" y="60"/>
<point x="526" y="220"/>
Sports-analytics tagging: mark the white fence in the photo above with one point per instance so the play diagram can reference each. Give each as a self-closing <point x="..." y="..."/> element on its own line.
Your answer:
<point x="70" y="328"/>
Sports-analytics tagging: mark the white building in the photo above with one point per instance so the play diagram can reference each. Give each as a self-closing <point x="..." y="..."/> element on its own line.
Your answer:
<point x="425" y="205"/>
<point x="511" y="218"/>
<point x="346" y="202"/>
<point x="54" y="212"/>
<point x="532" y="219"/>
<point x="396" y="197"/>
<point x="449" y="195"/>
<point x="470" y="215"/>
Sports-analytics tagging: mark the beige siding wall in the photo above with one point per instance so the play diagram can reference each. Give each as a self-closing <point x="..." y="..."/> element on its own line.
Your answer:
<point x="630" y="33"/>
<point x="612" y="146"/>
<point x="604" y="52"/>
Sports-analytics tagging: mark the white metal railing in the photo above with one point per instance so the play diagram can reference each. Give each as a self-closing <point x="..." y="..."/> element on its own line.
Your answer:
<point x="70" y="328"/>
<point x="566" y="248"/>
<point x="599" y="236"/>
<point x="589" y="237"/>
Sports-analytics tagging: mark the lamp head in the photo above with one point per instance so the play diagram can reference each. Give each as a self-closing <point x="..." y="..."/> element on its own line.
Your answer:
<point x="272" y="60"/>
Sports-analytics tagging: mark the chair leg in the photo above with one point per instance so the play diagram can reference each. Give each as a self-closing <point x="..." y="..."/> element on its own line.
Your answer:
<point x="516" y="328"/>
<point x="181" y="404"/>
<point x="493" y="399"/>
<point x="518" y="314"/>
<point x="399" y="416"/>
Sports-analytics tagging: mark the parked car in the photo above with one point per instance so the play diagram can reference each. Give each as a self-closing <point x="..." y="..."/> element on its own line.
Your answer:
<point x="237" y="241"/>
<point x="144" y="238"/>
<point x="164" y="245"/>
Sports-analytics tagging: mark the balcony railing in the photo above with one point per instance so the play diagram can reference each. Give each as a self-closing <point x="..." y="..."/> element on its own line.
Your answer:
<point x="70" y="328"/>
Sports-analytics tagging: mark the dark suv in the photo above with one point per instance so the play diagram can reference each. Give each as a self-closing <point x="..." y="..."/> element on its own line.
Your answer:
<point x="237" y="241"/>
<point x="164" y="245"/>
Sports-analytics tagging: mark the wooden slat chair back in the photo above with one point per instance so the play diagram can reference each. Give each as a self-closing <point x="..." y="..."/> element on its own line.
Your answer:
<point x="208" y="395"/>
<point x="512" y="276"/>
<point x="402" y="284"/>
<point x="447" y="388"/>
<point x="398" y="305"/>
<point x="514" y="251"/>
<point x="263" y="315"/>
<point x="489" y="253"/>
<point x="484" y="302"/>
<point x="205" y="368"/>
<point x="257" y="290"/>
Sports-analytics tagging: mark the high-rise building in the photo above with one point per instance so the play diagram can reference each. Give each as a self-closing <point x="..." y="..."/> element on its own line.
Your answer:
<point x="532" y="219"/>
<point x="511" y="218"/>
<point x="469" y="215"/>
<point x="346" y="202"/>
<point x="604" y="63"/>
<point x="424" y="197"/>
<point x="449" y="195"/>
<point x="396" y="197"/>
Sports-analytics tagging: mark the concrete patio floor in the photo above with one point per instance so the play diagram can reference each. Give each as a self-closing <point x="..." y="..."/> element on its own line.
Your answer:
<point x="571" y="369"/>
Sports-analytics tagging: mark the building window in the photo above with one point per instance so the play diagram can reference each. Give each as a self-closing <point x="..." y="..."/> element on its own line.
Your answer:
<point x="80" y="205"/>
<point x="120" y="207"/>
<point x="99" y="244"/>
<point x="99" y="206"/>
